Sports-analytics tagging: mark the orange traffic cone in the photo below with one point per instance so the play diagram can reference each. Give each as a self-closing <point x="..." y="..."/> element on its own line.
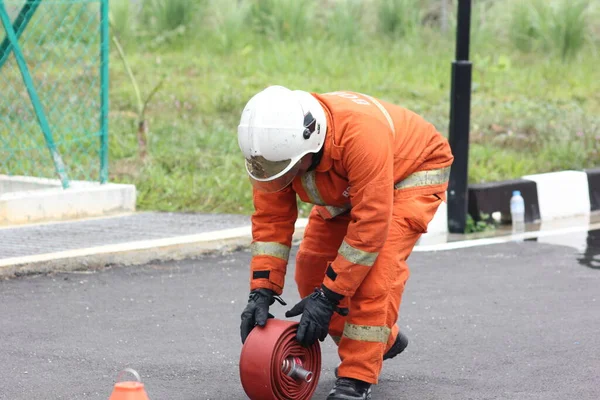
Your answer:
<point x="129" y="390"/>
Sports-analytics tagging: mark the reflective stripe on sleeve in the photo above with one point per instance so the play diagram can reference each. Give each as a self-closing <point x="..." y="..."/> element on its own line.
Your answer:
<point x="270" y="249"/>
<point x="384" y="112"/>
<point x="310" y="186"/>
<point x="366" y="333"/>
<point x="357" y="256"/>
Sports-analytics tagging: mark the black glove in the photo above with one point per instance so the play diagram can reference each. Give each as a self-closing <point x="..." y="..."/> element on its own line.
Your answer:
<point x="316" y="311"/>
<point x="257" y="310"/>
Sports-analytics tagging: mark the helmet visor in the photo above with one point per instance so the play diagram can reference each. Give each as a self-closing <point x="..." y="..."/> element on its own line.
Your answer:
<point x="271" y="176"/>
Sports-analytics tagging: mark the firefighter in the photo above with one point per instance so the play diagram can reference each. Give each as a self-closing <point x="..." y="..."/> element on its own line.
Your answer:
<point x="376" y="174"/>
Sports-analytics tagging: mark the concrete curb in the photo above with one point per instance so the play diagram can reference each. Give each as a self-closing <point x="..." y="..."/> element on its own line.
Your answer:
<point x="25" y="199"/>
<point x="548" y="197"/>
<point x="134" y="253"/>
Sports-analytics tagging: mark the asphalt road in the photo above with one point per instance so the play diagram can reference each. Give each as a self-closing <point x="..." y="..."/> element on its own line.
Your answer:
<point x="511" y="321"/>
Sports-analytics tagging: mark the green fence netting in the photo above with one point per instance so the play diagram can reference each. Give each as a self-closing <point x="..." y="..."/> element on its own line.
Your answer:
<point x="54" y="89"/>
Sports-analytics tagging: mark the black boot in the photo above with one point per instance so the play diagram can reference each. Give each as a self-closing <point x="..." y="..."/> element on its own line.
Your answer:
<point x="350" y="389"/>
<point x="397" y="348"/>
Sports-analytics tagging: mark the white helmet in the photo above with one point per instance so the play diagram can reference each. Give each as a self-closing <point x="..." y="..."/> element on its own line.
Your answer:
<point x="277" y="128"/>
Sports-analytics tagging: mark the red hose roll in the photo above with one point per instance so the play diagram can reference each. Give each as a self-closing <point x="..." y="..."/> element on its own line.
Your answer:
<point x="270" y="355"/>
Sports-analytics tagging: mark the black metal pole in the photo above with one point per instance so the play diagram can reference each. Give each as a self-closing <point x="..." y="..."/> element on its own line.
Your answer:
<point x="460" y="107"/>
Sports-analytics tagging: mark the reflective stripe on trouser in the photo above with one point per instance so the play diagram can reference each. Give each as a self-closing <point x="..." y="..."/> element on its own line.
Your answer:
<point x="370" y="328"/>
<point x="270" y="249"/>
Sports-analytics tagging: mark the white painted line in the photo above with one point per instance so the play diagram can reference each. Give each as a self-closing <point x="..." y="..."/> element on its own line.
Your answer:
<point x="205" y="237"/>
<point x="504" y="239"/>
<point x="245" y="233"/>
<point x="132" y="246"/>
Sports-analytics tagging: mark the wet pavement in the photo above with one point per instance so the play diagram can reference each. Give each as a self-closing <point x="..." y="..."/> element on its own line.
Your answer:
<point x="590" y="257"/>
<point x="506" y="321"/>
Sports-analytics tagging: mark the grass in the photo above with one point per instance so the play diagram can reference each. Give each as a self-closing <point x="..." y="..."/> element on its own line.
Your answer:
<point x="556" y="26"/>
<point x="533" y="110"/>
<point x="519" y="125"/>
<point x="535" y="101"/>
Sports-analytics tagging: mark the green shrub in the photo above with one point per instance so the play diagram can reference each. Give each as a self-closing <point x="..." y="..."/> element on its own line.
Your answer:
<point x="123" y="20"/>
<point x="229" y="29"/>
<point x="558" y="26"/>
<point x="162" y="16"/>
<point x="344" y="21"/>
<point x="281" y="19"/>
<point x="569" y="27"/>
<point x="399" y="18"/>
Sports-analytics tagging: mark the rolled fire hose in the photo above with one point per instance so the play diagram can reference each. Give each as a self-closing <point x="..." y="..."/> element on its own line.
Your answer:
<point x="274" y="366"/>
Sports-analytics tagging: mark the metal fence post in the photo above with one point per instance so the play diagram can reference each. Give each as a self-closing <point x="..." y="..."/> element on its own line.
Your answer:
<point x="33" y="96"/>
<point x="104" y="86"/>
<point x="19" y="26"/>
<point x="460" y="105"/>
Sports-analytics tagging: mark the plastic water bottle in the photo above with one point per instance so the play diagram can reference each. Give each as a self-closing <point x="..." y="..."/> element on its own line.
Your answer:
<point x="517" y="212"/>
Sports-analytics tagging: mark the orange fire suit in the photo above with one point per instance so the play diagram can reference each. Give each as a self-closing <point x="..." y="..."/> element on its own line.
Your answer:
<point x="383" y="173"/>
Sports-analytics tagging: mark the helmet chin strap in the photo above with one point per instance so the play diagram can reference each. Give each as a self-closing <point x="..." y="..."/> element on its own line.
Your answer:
<point x="316" y="159"/>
